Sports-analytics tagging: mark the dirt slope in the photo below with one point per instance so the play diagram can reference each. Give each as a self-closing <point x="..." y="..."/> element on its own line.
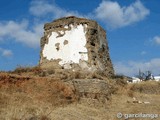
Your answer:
<point x="25" y="96"/>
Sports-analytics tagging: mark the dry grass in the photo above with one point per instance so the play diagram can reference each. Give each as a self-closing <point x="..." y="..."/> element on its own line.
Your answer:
<point x="148" y="87"/>
<point x="22" y="69"/>
<point x="25" y="96"/>
<point x="62" y="74"/>
<point x="122" y="100"/>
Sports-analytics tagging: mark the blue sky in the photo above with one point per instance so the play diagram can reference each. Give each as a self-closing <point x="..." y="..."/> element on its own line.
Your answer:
<point x="133" y="30"/>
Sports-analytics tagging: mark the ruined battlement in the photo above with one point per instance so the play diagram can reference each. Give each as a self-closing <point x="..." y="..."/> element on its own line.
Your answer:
<point x="70" y="20"/>
<point x="76" y="44"/>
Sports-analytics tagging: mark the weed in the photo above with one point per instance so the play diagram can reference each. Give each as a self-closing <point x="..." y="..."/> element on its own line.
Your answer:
<point x="148" y="87"/>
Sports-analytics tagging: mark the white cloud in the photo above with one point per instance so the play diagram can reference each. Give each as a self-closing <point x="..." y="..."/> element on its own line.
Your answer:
<point x="116" y="16"/>
<point x="6" y="52"/>
<point x="143" y="53"/>
<point x="123" y="68"/>
<point x="29" y="32"/>
<point x="131" y="68"/>
<point x="41" y="8"/>
<point x="156" y="40"/>
<point x="20" y="32"/>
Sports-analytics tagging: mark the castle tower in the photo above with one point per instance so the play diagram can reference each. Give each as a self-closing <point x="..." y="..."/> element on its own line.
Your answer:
<point x="76" y="44"/>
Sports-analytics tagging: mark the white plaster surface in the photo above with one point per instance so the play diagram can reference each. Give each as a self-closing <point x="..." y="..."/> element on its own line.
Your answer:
<point x="73" y="51"/>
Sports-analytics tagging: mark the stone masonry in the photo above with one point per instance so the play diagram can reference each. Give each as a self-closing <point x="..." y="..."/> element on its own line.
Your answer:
<point x="76" y="44"/>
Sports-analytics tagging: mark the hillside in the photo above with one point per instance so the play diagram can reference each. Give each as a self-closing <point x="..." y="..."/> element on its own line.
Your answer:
<point x="31" y="94"/>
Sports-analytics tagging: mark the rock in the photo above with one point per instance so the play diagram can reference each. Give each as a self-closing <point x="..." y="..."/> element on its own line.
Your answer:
<point x="138" y="101"/>
<point x="91" y="88"/>
<point x="146" y="102"/>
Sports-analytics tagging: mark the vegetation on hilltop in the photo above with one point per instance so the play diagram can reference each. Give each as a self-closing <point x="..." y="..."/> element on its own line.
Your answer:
<point x="33" y="94"/>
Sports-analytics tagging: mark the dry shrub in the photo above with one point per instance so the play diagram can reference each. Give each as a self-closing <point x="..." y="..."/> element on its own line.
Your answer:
<point x="130" y="93"/>
<point x="65" y="90"/>
<point x="65" y="74"/>
<point x="118" y="85"/>
<point x="113" y="88"/>
<point x="25" y="69"/>
<point x="3" y="76"/>
<point x="149" y="87"/>
<point x="3" y="100"/>
<point x="121" y="86"/>
<point x="37" y="70"/>
<point x="69" y="74"/>
<point x="9" y="78"/>
<point x="117" y="77"/>
<point x="121" y="82"/>
<point x="76" y="75"/>
<point x="21" y="69"/>
<point x="95" y="75"/>
<point x="47" y="72"/>
<point x="44" y="117"/>
<point x="50" y="71"/>
<point x="79" y="74"/>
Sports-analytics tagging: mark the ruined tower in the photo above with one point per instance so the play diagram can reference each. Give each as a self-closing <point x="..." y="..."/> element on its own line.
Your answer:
<point x="76" y="44"/>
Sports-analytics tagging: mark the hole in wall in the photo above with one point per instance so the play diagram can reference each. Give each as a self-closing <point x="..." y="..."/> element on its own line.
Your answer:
<point x="57" y="46"/>
<point x="57" y="49"/>
<point x="65" y="42"/>
<point x="93" y="31"/>
<point x="93" y="44"/>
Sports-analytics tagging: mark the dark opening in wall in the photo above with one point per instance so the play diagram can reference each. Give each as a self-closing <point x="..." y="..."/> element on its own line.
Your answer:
<point x="57" y="46"/>
<point x="103" y="48"/>
<point x="65" y="42"/>
<point x="92" y="43"/>
<point x="93" y="31"/>
<point x="94" y="57"/>
<point x="57" y="49"/>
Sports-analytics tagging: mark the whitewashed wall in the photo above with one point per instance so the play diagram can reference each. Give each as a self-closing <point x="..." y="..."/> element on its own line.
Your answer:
<point x="71" y="51"/>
